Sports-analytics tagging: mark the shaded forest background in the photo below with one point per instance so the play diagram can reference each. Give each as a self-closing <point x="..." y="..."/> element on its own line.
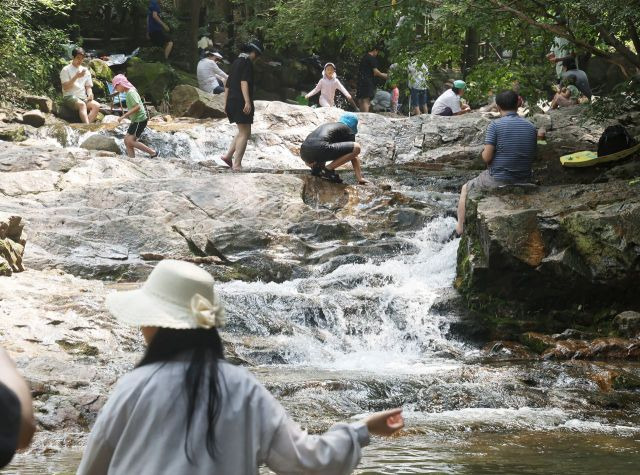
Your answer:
<point x="490" y="43"/>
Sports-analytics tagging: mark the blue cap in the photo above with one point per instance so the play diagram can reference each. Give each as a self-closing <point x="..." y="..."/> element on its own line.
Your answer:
<point x="350" y="120"/>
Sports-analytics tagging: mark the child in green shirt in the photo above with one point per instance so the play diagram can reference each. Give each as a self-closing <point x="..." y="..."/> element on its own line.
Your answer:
<point x="138" y="116"/>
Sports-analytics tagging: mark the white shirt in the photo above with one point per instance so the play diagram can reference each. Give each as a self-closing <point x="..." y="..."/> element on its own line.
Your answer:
<point x="141" y="430"/>
<point x="560" y="49"/>
<point x="327" y="88"/>
<point x="78" y="87"/>
<point x="447" y="99"/>
<point x="208" y="74"/>
<point x="418" y="75"/>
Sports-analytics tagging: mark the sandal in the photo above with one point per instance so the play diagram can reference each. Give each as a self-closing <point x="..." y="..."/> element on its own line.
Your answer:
<point x="316" y="169"/>
<point x="331" y="175"/>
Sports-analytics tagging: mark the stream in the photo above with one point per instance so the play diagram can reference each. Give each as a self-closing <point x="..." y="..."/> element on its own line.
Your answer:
<point x="360" y="334"/>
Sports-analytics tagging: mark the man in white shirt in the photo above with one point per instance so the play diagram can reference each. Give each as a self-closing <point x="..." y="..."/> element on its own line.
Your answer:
<point x="76" y="88"/>
<point x="448" y="103"/>
<point x="210" y="77"/>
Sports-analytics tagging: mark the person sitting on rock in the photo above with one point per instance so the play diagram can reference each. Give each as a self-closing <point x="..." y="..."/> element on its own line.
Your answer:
<point x="570" y="69"/>
<point x="138" y="115"/>
<point x="449" y="103"/>
<point x="77" y="93"/>
<point x="16" y="410"/>
<point x="327" y="86"/>
<point x="184" y="409"/>
<point x="210" y="77"/>
<point x="509" y="151"/>
<point x="569" y="95"/>
<point x="336" y="143"/>
<point x="156" y="29"/>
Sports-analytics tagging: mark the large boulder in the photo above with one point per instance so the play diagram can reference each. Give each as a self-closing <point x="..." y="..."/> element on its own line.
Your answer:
<point x="43" y="103"/>
<point x="100" y="70"/>
<point x="101" y="142"/>
<point x="12" y="244"/>
<point x="34" y="118"/>
<point x="550" y="258"/>
<point x="12" y="132"/>
<point x="189" y="101"/>
<point x="152" y="80"/>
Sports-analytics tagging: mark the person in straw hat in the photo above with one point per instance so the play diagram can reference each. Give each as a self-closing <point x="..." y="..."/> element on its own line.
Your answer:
<point x="184" y="409"/>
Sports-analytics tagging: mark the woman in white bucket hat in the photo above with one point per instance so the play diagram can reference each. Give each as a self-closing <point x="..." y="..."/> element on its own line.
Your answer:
<point x="185" y="410"/>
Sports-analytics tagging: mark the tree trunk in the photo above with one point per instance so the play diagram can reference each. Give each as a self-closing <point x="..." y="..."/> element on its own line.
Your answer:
<point x="472" y="43"/>
<point x="108" y="26"/>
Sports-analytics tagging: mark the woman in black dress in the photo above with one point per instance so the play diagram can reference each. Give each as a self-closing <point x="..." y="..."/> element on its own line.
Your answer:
<point x="239" y="108"/>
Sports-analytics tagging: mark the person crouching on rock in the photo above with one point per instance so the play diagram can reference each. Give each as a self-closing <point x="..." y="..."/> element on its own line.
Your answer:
<point x="509" y="150"/>
<point x="327" y="88"/>
<point x="184" y="409"/>
<point x="138" y="116"/>
<point x="449" y="103"/>
<point x="336" y="143"/>
<point x="238" y="102"/>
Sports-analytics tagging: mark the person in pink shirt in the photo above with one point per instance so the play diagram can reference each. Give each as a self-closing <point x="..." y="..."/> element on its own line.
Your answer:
<point x="327" y="88"/>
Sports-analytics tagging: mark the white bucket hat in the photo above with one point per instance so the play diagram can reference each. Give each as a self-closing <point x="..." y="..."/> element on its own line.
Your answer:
<point x="176" y="295"/>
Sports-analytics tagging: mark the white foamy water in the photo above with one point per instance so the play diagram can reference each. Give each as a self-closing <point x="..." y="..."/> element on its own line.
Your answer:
<point x="371" y="316"/>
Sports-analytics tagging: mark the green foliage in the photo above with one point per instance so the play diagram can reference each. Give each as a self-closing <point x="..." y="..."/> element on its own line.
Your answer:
<point x="624" y="98"/>
<point x="29" y="49"/>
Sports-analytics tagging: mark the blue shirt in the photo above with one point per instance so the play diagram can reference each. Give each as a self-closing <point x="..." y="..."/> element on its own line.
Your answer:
<point x="515" y="140"/>
<point x="152" y="24"/>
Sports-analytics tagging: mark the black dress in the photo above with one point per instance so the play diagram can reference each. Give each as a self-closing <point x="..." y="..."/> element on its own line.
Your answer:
<point x="9" y="424"/>
<point x="241" y="70"/>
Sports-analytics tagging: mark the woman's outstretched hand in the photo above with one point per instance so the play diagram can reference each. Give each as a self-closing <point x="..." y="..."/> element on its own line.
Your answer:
<point x="385" y="422"/>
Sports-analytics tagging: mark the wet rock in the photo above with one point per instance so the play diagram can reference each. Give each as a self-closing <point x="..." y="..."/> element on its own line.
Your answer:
<point x="628" y="324"/>
<point x="508" y="350"/>
<point x="12" y="133"/>
<point x="566" y="248"/>
<point x="101" y="142"/>
<point x="42" y="103"/>
<point x="189" y="101"/>
<point x="573" y="334"/>
<point x="537" y="342"/>
<point x="34" y="118"/>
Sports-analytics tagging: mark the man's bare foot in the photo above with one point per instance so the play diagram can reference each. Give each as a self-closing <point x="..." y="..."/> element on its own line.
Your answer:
<point x="459" y="230"/>
<point x="237" y="168"/>
<point x="363" y="182"/>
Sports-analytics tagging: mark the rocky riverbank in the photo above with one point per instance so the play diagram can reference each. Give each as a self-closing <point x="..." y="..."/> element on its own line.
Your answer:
<point x="542" y="272"/>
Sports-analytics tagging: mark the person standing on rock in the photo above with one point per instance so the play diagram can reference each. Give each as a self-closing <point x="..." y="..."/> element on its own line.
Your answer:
<point x="449" y="103"/>
<point x="77" y="92"/>
<point x="367" y="73"/>
<point x="509" y="151"/>
<point x="16" y="410"/>
<point x="238" y="102"/>
<point x="336" y="143"/>
<point x="138" y="115"/>
<point x="210" y="77"/>
<point x="184" y="409"/>
<point x="327" y="86"/>
<point x="418" y="87"/>
<point x="156" y="28"/>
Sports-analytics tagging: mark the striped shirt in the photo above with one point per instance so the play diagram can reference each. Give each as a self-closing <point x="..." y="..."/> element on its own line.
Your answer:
<point x="515" y="140"/>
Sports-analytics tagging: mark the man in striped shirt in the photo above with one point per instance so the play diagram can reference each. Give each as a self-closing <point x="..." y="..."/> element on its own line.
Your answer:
<point x="509" y="150"/>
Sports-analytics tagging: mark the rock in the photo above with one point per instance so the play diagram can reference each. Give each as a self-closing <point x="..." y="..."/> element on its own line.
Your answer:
<point x="628" y="324"/>
<point x="12" y="243"/>
<point x="34" y="117"/>
<point x="100" y="70"/>
<point x="43" y="103"/>
<point x="569" y="248"/>
<point x="101" y="142"/>
<point x="27" y="182"/>
<point x="12" y="133"/>
<point x="537" y="342"/>
<point x="189" y="101"/>
<point x="152" y="80"/>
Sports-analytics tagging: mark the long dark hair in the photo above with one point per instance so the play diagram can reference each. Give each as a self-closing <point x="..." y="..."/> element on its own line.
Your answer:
<point x="204" y="349"/>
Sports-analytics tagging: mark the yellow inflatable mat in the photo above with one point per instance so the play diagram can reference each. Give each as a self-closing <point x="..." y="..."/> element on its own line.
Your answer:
<point x="589" y="159"/>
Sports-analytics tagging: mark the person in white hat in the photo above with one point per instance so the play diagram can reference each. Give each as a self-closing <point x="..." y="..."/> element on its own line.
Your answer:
<point x="184" y="409"/>
<point x="210" y="77"/>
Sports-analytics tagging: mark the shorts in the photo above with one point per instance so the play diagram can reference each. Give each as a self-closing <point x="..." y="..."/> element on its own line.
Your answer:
<point x="71" y="102"/>
<point x="419" y="97"/>
<point x="321" y="152"/>
<point x="485" y="181"/>
<point x="158" y="38"/>
<point x="366" y="90"/>
<point x="136" y="128"/>
<point x="446" y="112"/>
<point x="235" y="113"/>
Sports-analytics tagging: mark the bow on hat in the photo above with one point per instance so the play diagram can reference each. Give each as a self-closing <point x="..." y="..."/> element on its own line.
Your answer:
<point x="207" y="314"/>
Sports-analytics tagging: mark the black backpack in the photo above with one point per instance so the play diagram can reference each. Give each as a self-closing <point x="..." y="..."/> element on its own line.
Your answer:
<point x="615" y="138"/>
